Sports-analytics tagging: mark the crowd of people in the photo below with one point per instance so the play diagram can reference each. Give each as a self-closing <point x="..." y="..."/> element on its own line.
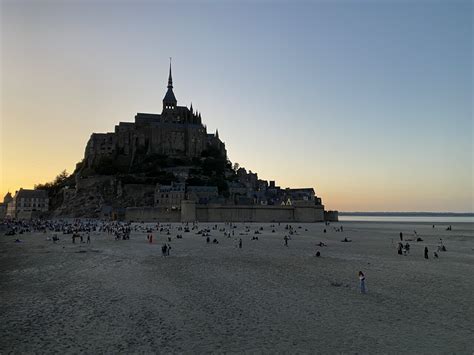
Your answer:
<point x="80" y="231"/>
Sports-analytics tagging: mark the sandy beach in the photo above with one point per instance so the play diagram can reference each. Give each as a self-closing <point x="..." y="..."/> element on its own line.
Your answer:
<point x="124" y="297"/>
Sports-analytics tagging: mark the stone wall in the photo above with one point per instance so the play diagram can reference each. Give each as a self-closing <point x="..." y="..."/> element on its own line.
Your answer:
<point x="188" y="211"/>
<point x="309" y="213"/>
<point x="29" y="215"/>
<point x="245" y="213"/>
<point x="151" y="214"/>
<point x="220" y="213"/>
<point x="331" y="216"/>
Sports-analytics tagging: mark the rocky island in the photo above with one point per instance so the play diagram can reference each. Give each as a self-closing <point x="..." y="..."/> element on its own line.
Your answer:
<point x="167" y="167"/>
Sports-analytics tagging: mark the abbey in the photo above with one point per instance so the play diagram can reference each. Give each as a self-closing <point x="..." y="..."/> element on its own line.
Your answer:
<point x="166" y="167"/>
<point x="176" y="132"/>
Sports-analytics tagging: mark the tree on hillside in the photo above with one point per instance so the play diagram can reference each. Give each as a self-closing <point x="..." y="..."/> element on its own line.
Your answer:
<point x="57" y="184"/>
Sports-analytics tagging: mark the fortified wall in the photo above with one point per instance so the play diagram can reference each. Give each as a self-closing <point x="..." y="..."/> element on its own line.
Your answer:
<point x="151" y="214"/>
<point x="190" y="212"/>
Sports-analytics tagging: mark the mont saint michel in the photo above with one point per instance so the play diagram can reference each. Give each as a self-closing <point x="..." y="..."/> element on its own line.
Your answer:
<point x="167" y="167"/>
<point x="236" y="177"/>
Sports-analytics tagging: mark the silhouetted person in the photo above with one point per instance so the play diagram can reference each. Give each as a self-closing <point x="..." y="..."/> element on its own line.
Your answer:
<point x="401" y="236"/>
<point x="240" y="243"/>
<point x="362" y="282"/>
<point x="426" y="252"/>
<point x="286" y="241"/>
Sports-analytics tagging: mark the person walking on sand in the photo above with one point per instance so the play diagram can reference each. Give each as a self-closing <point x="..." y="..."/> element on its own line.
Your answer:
<point x="401" y="236"/>
<point x="363" y="289"/>
<point x="240" y="243"/>
<point x="150" y="239"/>
<point x="426" y="252"/>
<point x="286" y="240"/>
<point x="400" y="248"/>
<point x="88" y="238"/>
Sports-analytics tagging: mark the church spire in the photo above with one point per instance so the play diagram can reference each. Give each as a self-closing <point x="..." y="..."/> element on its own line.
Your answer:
<point x="170" y="78"/>
<point x="169" y="101"/>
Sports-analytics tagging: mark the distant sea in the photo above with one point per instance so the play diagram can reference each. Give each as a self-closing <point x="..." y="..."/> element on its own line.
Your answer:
<point x="407" y="217"/>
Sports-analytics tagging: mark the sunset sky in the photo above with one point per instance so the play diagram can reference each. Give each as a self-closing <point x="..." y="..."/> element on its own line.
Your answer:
<point x="369" y="102"/>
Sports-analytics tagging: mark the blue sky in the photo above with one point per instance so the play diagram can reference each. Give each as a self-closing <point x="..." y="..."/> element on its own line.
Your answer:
<point x="370" y="102"/>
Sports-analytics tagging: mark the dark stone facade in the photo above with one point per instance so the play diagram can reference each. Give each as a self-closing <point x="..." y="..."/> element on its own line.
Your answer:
<point x="176" y="132"/>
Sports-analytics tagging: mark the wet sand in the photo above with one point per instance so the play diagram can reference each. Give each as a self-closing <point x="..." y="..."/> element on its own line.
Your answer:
<point x="123" y="296"/>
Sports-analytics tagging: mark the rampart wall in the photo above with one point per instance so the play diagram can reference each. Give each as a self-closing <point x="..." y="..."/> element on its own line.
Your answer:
<point x="151" y="214"/>
<point x="191" y="212"/>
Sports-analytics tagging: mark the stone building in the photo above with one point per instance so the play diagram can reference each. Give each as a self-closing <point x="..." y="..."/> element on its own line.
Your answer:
<point x="202" y="194"/>
<point x="176" y="132"/>
<point x="302" y="195"/>
<point x="4" y="205"/>
<point x="27" y="204"/>
<point x="169" y="197"/>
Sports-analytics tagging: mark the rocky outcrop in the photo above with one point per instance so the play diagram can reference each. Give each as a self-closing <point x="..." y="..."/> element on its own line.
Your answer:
<point x="92" y="194"/>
